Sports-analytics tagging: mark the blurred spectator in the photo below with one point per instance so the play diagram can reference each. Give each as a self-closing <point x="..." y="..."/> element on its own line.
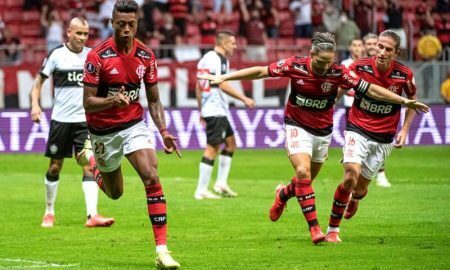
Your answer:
<point x="226" y="5"/>
<point x="255" y="32"/>
<point x="302" y="12"/>
<point x="148" y="9"/>
<point x="331" y="17"/>
<point x="442" y="25"/>
<point x="180" y="10"/>
<point x="106" y="9"/>
<point x="425" y="18"/>
<point x="347" y="31"/>
<point x="445" y="89"/>
<point x="208" y="30"/>
<point x="270" y="18"/>
<point x="11" y="53"/>
<point x="162" y="5"/>
<point x="32" y="4"/>
<point x="317" y="9"/>
<point x="394" y="22"/>
<point x="363" y="14"/>
<point x="53" y="26"/>
<point x="169" y="35"/>
<point x="106" y="30"/>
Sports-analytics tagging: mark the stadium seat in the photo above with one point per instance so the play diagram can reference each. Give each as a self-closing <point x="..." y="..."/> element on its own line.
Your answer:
<point x="14" y="4"/>
<point x="30" y="30"/>
<point x="31" y="16"/>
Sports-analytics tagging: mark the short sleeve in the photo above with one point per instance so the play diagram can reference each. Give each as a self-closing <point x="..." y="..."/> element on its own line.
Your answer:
<point x="92" y="66"/>
<point x="410" y="85"/>
<point x="151" y="73"/>
<point x="280" y="68"/>
<point x="48" y="66"/>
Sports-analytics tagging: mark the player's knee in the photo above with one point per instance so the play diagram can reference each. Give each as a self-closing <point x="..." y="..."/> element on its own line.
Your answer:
<point x="350" y="179"/>
<point x="149" y="177"/>
<point x="115" y="193"/>
<point x="54" y="170"/>
<point x="302" y="172"/>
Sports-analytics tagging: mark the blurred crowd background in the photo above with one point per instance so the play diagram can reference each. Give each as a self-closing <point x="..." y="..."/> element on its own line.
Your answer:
<point x="181" y="30"/>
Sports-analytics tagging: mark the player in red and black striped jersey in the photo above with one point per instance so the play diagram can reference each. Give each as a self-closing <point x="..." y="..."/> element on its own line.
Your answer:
<point x="309" y="116"/>
<point x="112" y="78"/>
<point x="371" y="127"/>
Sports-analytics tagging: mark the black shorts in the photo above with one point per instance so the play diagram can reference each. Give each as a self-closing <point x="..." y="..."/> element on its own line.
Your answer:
<point x="217" y="130"/>
<point x="63" y="137"/>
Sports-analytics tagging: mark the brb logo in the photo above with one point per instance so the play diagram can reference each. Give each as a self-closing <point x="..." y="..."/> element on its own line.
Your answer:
<point x="375" y="108"/>
<point x="311" y="103"/>
<point x="75" y="77"/>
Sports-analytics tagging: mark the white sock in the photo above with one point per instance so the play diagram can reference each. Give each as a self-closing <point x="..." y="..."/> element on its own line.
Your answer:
<point x="204" y="177"/>
<point x="332" y="229"/>
<point x="161" y="248"/>
<point x="224" y="170"/>
<point x="90" y="189"/>
<point x="51" y="188"/>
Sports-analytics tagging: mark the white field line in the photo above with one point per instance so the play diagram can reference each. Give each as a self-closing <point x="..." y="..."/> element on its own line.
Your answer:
<point x="35" y="264"/>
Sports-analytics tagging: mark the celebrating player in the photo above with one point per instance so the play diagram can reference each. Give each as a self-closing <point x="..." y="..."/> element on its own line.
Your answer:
<point x="68" y="126"/>
<point x="112" y="77"/>
<point x="371" y="127"/>
<point x="213" y="106"/>
<point x="308" y="116"/>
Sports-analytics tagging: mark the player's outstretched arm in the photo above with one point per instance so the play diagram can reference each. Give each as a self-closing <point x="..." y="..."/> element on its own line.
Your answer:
<point x="157" y="113"/>
<point x="35" y="96"/>
<point x="227" y="88"/>
<point x="340" y="93"/>
<point x="251" y="73"/>
<point x="381" y="93"/>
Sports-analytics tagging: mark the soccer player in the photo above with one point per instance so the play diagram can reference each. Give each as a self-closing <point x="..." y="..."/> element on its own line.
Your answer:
<point x="68" y="126"/>
<point x="309" y="116"/>
<point x="113" y="73"/>
<point x="370" y="45"/>
<point x="356" y="50"/>
<point x="371" y="128"/>
<point x="213" y="106"/>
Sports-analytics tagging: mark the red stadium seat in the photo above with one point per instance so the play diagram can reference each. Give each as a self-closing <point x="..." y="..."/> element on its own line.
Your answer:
<point x="12" y="15"/>
<point x="31" y="16"/>
<point x="30" y="30"/>
<point x="14" y="3"/>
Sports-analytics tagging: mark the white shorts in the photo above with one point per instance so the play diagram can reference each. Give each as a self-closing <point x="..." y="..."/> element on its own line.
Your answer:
<point x="299" y="140"/>
<point x="109" y="149"/>
<point x="369" y="154"/>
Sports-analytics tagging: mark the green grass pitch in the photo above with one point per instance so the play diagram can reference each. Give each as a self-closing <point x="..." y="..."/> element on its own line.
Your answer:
<point x="403" y="227"/>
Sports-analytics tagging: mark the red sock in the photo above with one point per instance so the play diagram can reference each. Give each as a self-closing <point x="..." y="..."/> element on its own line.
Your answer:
<point x="307" y="200"/>
<point x="97" y="176"/>
<point x="156" y="205"/>
<point x="288" y="191"/>
<point x="341" y="197"/>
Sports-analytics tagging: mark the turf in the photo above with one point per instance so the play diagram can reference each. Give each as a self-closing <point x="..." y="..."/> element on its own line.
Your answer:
<point x="403" y="227"/>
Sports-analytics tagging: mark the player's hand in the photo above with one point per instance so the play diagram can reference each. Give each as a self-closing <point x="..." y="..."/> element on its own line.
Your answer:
<point x="36" y="114"/>
<point x="121" y="100"/>
<point x="416" y="106"/>
<point x="169" y="143"/>
<point x="400" y="139"/>
<point x="213" y="79"/>
<point x="202" y="122"/>
<point x="249" y="103"/>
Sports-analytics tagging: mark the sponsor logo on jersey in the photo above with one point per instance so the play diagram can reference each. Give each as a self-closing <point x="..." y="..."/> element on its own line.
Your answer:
<point x="280" y="62"/>
<point x="108" y="53"/>
<point x="334" y="73"/>
<point x="132" y="94"/>
<point x="311" y="103"/>
<point x="398" y="75"/>
<point x="326" y="87"/>
<point x="90" y="68"/>
<point x="140" y="71"/>
<point x="75" y="77"/>
<point x="375" y="108"/>
<point x="280" y="70"/>
<point x="365" y="68"/>
<point x="300" y="68"/>
<point x="143" y="54"/>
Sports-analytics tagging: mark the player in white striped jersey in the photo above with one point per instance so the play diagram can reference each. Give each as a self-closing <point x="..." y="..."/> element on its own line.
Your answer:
<point x="68" y="127"/>
<point x="213" y="106"/>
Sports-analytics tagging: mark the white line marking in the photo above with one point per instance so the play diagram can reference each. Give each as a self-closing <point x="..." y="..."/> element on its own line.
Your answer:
<point x="35" y="264"/>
